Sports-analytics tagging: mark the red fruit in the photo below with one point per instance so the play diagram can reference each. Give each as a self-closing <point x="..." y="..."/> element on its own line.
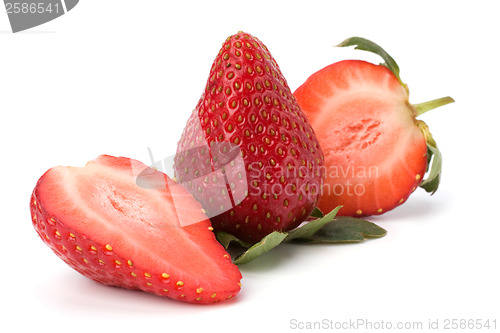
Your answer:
<point x="376" y="151"/>
<point x="248" y="153"/>
<point x="108" y="228"/>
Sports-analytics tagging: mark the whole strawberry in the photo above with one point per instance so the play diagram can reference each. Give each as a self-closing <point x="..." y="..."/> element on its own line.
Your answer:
<point x="248" y="153"/>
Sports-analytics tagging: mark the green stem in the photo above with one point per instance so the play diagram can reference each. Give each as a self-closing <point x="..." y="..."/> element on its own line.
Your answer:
<point x="422" y="108"/>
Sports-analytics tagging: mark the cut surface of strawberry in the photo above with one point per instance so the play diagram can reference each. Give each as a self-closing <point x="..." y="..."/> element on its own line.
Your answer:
<point x="110" y="229"/>
<point x="376" y="151"/>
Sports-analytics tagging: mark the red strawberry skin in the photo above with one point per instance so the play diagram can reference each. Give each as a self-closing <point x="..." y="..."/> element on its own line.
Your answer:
<point x="109" y="229"/>
<point x="375" y="152"/>
<point x="248" y="153"/>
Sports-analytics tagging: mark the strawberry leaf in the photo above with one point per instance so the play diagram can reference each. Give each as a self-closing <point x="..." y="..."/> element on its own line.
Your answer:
<point x="310" y="228"/>
<point x="367" y="45"/>
<point x="346" y="229"/>
<point x="267" y="243"/>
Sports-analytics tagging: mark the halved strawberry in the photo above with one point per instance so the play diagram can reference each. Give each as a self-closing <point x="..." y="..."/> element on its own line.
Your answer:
<point x="248" y="153"/>
<point x="376" y="151"/>
<point x="107" y="222"/>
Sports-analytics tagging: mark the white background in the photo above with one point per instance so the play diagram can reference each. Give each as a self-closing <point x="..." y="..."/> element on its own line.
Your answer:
<point x="119" y="76"/>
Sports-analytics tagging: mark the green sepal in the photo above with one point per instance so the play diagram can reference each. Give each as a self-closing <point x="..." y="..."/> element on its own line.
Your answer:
<point x="346" y="229"/>
<point x="225" y="239"/>
<point x="275" y="238"/>
<point x="364" y="44"/>
<point x="267" y="243"/>
<point x="310" y="228"/>
<point x="434" y="161"/>
<point x="317" y="213"/>
<point x="326" y="229"/>
<point x="422" y="108"/>
<point x="430" y="153"/>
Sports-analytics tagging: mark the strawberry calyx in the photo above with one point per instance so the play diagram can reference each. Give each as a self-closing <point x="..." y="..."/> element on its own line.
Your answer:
<point x="434" y="161"/>
<point x="434" y="157"/>
<point x="319" y="228"/>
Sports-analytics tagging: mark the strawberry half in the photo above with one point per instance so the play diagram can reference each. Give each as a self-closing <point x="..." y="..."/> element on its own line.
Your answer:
<point x="376" y="151"/>
<point x="114" y="231"/>
<point x="248" y="153"/>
